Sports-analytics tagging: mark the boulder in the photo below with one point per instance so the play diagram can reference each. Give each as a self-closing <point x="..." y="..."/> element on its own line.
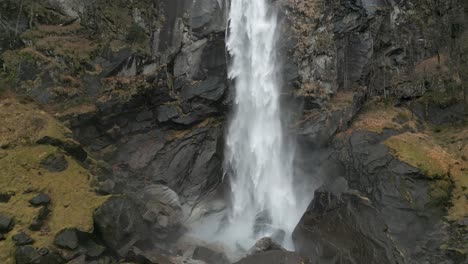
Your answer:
<point x="265" y="244"/>
<point x="119" y="224"/>
<point x="162" y="209"/>
<point x="274" y="257"/>
<point x="55" y="162"/>
<point x="6" y="223"/>
<point x="22" y="239"/>
<point x="67" y="238"/>
<point x="209" y="255"/>
<point x="40" y="199"/>
<point x="26" y="255"/>
<point x="5" y="196"/>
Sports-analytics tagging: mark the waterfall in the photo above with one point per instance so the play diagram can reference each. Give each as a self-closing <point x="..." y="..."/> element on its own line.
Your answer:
<point x="258" y="158"/>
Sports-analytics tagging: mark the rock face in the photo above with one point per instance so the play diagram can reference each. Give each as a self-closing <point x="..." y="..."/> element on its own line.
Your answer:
<point x="120" y="225"/>
<point x="162" y="210"/>
<point x="344" y="229"/>
<point x="142" y="87"/>
<point x="274" y="257"/>
<point x="389" y="47"/>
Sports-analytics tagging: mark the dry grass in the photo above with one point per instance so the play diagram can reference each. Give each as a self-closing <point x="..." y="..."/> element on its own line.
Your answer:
<point x="21" y="173"/>
<point x="439" y="161"/>
<point x="420" y="151"/>
<point x="377" y="116"/>
<point x="24" y="124"/>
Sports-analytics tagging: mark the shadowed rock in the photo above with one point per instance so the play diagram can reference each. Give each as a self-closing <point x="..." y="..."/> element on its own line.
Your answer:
<point x="274" y="257"/>
<point x="119" y="224"/>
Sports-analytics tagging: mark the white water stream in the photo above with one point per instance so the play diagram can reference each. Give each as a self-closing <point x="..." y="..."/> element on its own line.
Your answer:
<point x="259" y="159"/>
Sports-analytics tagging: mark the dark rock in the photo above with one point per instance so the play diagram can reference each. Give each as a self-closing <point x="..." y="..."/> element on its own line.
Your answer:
<point x="78" y="260"/>
<point x="212" y="88"/>
<point x="67" y="238"/>
<point x="40" y="199"/>
<point x="167" y="112"/>
<point x="265" y="244"/>
<point x="39" y="220"/>
<point x="70" y="146"/>
<point x="22" y="239"/>
<point x="5" y="197"/>
<point x="43" y="213"/>
<point x="55" y="162"/>
<point x="319" y="130"/>
<point x="26" y="255"/>
<point x="207" y="16"/>
<point x="344" y="227"/>
<point x="2" y="237"/>
<point x="6" y="223"/>
<point x="106" y="187"/>
<point x="188" y="62"/>
<point x="274" y="257"/>
<point x="119" y="224"/>
<point x="209" y="255"/>
<point x="93" y="249"/>
<point x="146" y="257"/>
<point x="51" y="258"/>
<point x="36" y="224"/>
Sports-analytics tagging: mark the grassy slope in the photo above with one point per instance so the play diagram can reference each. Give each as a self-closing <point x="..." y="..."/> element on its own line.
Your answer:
<point x="73" y="201"/>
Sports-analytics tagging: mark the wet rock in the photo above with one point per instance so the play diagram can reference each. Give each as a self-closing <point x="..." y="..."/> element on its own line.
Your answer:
<point x="210" y="256"/>
<point x="264" y="244"/>
<point x="67" y="238"/>
<point x="263" y="222"/>
<point x="120" y="224"/>
<point x="40" y="200"/>
<point x="22" y="239"/>
<point x="162" y="210"/>
<point x="185" y="260"/>
<point x="6" y="223"/>
<point x="26" y="255"/>
<point x="274" y="257"/>
<point x="146" y="257"/>
<point x="55" y="163"/>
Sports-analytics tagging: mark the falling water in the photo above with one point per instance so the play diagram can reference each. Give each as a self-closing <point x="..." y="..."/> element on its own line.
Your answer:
<point x="258" y="156"/>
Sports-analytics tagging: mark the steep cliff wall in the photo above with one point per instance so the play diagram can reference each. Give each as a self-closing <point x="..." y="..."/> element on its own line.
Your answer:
<point x="142" y="87"/>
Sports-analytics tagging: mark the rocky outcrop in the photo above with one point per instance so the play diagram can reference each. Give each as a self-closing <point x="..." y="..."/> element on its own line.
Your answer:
<point x="274" y="257"/>
<point x="403" y="192"/>
<point x="344" y="228"/>
<point x="395" y="48"/>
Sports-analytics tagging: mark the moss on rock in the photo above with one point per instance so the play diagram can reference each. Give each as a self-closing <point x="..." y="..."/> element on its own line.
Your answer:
<point x="72" y="199"/>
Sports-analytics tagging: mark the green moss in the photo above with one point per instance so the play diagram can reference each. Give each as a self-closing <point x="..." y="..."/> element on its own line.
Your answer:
<point x="441" y="191"/>
<point x="421" y="152"/>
